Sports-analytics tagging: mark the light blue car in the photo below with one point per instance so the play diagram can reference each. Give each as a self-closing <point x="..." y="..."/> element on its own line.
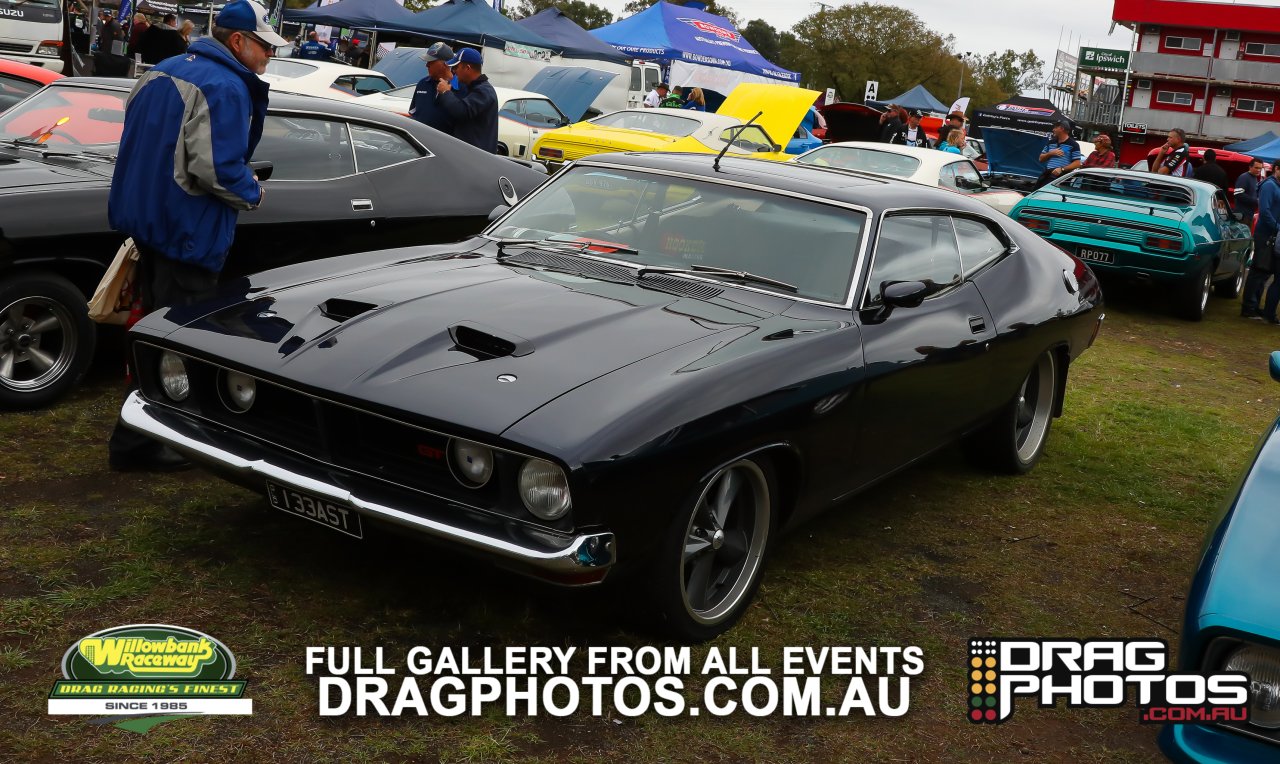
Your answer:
<point x="1232" y="621"/>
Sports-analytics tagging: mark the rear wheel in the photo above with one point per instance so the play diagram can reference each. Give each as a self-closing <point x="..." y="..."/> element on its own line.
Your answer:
<point x="1014" y="441"/>
<point x="710" y="565"/>
<point x="1192" y="297"/>
<point x="46" y="339"/>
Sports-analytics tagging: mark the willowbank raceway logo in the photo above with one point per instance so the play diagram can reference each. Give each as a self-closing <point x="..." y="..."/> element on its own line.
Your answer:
<point x="141" y="675"/>
<point x="1097" y="673"/>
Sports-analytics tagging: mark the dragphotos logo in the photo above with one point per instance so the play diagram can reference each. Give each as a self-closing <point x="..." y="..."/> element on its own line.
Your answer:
<point x="1097" y="673"/>
<point x="709" y="28"/>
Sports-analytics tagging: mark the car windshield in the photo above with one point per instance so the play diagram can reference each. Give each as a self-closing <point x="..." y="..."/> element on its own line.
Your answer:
<point x="652" y="121"/>
<point x="73" y="118"/>
<point x="281" y="67"/>
<point x="650" y="219"/>
<point x="1147" y="189"/>
<point x="866" y="160"/>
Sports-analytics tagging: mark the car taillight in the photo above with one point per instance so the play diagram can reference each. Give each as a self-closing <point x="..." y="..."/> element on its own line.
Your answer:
<point x="1164" y="243"/>
<point x="1036" y="224"/>
<point x="551" y="153"/>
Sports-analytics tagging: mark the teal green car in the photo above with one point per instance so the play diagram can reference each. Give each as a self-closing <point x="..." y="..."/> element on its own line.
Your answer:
<point x="1177" y="233"/>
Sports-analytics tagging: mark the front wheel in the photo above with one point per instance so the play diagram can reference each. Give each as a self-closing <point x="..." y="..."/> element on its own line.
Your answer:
<point x="1230" y="289"/>
<point x="1014" y="441"/>
<point x="46" y="339"/>
<point x="1192" y="297"/>
<point x="710" y="565"/>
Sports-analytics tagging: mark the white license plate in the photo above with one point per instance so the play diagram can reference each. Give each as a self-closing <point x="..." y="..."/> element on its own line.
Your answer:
<point x="1096" y="255"/>
<point x="327" y="513"/>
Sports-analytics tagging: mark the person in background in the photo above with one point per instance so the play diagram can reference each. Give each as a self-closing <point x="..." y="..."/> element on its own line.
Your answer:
<point x="188" y="26"/>
<point x="1174" y="157"/>
<point x="182" y="175"/>
<point x="1211" y="171"/>
<point x="161" y="41"/>
<point x="655" y="96"/>
<point x="954" y="144"/>
<point x="891" y="121"/>
<point x="954" y="121"/>
<point x="697" y="101"/>
<point x="474" y="106"/>
<point x="911" y="134"/>
<point x="1247" y="192"/>
<point x="1102" y="155"/>
<point x="1264" y="258"/>
<point x="312" y="49"/>
<point x="674" y="99"/>
<point x="1060" y="156"/>
<point x="424" y="106"/>
<point x="140" y="25"/>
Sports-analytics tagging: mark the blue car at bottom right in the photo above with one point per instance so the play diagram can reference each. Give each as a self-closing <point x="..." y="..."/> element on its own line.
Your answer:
<point x="1232" y="621"/>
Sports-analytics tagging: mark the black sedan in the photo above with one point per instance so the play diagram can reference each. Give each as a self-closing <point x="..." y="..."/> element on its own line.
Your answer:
<point x="645" y="370"/>
<point x="345" y="178"/>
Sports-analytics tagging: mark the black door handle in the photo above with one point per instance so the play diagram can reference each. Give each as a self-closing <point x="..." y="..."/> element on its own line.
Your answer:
<point x="977" y="324"/>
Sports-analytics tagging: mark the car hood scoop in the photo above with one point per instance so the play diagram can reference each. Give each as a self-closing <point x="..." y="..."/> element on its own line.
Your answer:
<point x="475" y="343"/>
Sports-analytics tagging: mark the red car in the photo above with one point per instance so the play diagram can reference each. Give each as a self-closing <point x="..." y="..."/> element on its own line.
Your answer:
<point x="18" y="80"/>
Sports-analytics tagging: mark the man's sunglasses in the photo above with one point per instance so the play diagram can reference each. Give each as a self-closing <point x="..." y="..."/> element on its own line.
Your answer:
<point x="266" y="46"/>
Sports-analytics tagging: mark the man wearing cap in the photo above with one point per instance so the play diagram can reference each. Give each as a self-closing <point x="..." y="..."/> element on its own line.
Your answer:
<point x="313" y="49"/>
<point x="424" y="107"/>
<point x="911" y="134"/>
<point x="655" y="96"/>
<point x="1060" y="155"/>
<point x="182" y="174"/>
<point x="474" y="107"/>
<point x="954" y="121"/>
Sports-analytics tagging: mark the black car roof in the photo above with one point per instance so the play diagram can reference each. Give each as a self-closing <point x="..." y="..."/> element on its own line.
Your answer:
<point x="878" y="194"/>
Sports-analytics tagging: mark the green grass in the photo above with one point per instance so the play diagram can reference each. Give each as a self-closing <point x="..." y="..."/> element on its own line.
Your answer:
<point x="1161" y="416"/>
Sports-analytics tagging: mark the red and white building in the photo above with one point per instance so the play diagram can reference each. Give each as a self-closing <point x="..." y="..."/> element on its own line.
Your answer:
<point x="1210" y="68"/>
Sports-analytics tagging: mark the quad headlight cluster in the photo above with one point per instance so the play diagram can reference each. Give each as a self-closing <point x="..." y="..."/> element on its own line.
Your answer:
<point x="1262" y="664"/>
<point x="174" y="379"/>
<point x="543" y="486"/>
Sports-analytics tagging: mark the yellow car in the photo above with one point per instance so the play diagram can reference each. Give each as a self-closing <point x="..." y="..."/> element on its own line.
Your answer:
<point x="781" y="110"/>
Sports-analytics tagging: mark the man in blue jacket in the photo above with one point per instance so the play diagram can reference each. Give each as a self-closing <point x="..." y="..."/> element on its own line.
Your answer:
<point x="313" y="50"/>
<point x="473" y="108"/>
<point x="423" y="107"/>
<point x="182" y="174"/>
<point x="1263" y="268"/>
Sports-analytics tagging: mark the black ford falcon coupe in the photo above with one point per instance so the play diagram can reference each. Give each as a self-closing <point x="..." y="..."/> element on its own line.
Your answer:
<point x="645" y="370"/>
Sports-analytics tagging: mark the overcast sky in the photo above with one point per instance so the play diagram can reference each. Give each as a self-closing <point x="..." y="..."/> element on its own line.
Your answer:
<point x="982" y="27"/>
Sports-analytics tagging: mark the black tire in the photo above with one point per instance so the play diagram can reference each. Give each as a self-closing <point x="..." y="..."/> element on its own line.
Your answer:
<point x="712" y="558"/>
<point x="1014" y="441"/>
<point x="46" y="339"/>
<point x="1192" y="296"/>
<point x="1230" y="289"/>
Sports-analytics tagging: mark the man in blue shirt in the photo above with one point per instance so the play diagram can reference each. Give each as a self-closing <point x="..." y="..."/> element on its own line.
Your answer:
<point x="312" y="49"/>
<point x="1060" y="156"/>
<point x="424" y="107"/>
<point x="474" y="106"/>
<point x="1264" y="258"/>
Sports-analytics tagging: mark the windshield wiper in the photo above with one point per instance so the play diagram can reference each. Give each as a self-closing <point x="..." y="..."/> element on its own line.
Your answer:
<point x="709" y="270"/>
<point x="48" y="151"/>
<point x="556" y="245"/>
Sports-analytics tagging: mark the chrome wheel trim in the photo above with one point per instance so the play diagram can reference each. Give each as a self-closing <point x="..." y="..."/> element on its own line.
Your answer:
<point x="37" y="343"/>
<point x="1239" y="278"/>
<point x="1035" y="408"/>
<point x="1206" y="283"/>
<point x="724" y="542"/>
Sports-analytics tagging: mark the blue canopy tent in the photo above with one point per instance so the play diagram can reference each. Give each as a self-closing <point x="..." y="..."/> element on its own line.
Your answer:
<point x="576" y="41"/>
<point x="1246" y="147"/>
<point x="356" y="14"/>
<point x="1267" y="152"/>
<point x="917" y="97"/>
<point x="702" y="50"/>
<point x="476" y="22"/>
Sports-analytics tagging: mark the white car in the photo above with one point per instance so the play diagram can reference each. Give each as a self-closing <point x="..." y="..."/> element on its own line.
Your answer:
<point x="522" y="116"/>
<point x="323" y="78"/>
<point x="930" y="167"/>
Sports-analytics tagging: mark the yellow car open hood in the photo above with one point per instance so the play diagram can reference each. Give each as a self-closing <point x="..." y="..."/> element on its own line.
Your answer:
<point x="784" y="107"/>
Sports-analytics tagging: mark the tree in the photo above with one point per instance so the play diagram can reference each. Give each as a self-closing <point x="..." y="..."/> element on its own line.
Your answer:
<point x="1013" y="72"/>
<point x="764" y="38"/>
<point x="584" y="14"/>
<point x="714" y="7"/>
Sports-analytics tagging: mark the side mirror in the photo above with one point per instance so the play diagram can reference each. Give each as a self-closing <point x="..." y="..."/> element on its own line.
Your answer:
<point x="263" y="169"/>
<point x="498" y="212"/>
<point x="1275" y="365"/>
<point x="777" y="147"/>
<point x="904" y="294"/>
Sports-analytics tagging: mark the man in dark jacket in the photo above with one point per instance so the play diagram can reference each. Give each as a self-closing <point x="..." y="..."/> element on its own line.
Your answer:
<point x="474" y="109"/>
<point x="182" y="174"/>
<point x="424" y="107"/>
<point x="1211" y="171"/>
<point x="911" y="134"/>
<point x="1264" y="259"/>
<point x="1247" y="192"/>
<point x="312" y="49"/>
<point x="161" y="41"/>
<point x="890" y="123"/>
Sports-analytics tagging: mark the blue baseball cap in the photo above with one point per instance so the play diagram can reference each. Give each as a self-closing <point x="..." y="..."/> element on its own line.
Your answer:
<point x="467" y="56"/>
<point x="248" y="16"/>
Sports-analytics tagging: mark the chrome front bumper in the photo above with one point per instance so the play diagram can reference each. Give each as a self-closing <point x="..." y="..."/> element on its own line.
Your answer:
<point x="575" y="560"/>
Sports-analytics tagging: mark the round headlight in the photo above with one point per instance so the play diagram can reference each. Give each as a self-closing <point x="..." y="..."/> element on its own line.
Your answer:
<point x="544" y="489"/>
<point x="471" y="463"/>
<point x="1263" y="667"/>
<point x="241" y="390"/>
<point x="173" y="376"/>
